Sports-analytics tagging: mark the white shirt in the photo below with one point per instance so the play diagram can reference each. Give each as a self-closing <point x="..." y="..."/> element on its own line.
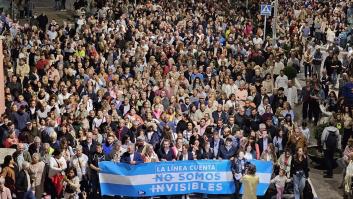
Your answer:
<point x="62" y="97"/>
<point x="132" y="157"/>
<point x="56" y="166"/>
<point x="277" y="68"/>
<point x="281" y="81"/>
<point x="292" y="95"/>
<point x="81" y="164"/>
<point x="257" y="41"/>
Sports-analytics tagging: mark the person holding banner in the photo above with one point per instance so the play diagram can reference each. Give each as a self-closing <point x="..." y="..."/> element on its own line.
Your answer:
<point x="166" y="153"/>
<point x="238" y="170"/>
<point x="186" y="154"/>
<point x="131" y="156"/>
<point x="93" y="161"/>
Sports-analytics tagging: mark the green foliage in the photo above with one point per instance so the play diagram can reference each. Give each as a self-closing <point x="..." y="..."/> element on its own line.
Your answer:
<point x="318" y="130"/>
<point x="290" y="72"/>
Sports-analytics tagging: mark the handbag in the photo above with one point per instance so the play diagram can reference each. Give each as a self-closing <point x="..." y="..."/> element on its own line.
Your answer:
<point x="57" y="181"/>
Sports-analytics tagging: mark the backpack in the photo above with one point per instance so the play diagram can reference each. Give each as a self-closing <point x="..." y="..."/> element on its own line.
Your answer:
<point x="331" y="140"/>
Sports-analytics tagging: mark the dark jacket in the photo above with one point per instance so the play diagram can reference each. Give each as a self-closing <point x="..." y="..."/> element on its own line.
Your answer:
<point x="125" y="158"/>
<point x="190" y="156"/>
<point x="297" y="165"/>
<point x="261" y="144"/>
<point x="212" y="146"/>
<point x="227" y="154"/>
<point x="88" y="150"/>
<point x="167" y="156"/>
<point x="21" y="181"/>
<point x="220" y="116"/>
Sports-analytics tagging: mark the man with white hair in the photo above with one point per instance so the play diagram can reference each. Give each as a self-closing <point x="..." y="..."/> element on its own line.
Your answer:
<point x="21" y="155"/>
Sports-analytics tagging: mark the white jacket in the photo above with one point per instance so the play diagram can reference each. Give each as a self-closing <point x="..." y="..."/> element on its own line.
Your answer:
<point x="325" y="134"/>
<point x="56" y="166"/>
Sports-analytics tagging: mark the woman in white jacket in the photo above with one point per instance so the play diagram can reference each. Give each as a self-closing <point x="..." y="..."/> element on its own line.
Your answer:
<point x="57" y="163"/>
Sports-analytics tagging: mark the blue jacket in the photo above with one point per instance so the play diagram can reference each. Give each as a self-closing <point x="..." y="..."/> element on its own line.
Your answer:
<point x="125" y="158"/>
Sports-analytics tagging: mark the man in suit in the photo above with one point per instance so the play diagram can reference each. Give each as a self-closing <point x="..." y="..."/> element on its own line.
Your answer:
<point x="216" y="143"/>
<point x="131" y="156"/>
<point x="264" y="141"/>
<point x="219" y="114"/>
<point x="89" y="145"/>
<point x="186" y="154"/>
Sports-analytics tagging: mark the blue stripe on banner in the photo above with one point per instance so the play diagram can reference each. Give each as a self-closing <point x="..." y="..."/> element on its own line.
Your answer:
<point x="167" y="189"/>
<point x="164" y="167"/>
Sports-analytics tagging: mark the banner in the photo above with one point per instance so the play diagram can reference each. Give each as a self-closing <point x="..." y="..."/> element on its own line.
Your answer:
<point x="166" y="178"/>
<point x="173" y="178"/>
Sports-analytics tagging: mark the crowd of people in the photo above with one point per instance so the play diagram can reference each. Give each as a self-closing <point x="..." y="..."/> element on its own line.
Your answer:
<point x="153" y="81"/>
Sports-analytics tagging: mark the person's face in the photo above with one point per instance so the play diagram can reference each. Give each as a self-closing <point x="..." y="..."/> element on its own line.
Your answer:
<point x="189" y="126"/>
<point x="131" y="149"/>
<point x="228" y="143"/>
<point x="166" y="144"/>
<point x="71" y="173"/>
<point x="99" y="149"/>
<point x="35" y="159"/>
<point x="78" y="152"/>
<point x="231" y="120"/>
<point x="110" y="140"/>
<point x="185" y="150"/>
<point x="300" y="151"/>
<point x="20" y="148"/>
<point x="248" y="148"/>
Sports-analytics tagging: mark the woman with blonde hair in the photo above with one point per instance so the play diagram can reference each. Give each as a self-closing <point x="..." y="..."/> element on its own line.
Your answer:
<point x="148" y="154"/>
